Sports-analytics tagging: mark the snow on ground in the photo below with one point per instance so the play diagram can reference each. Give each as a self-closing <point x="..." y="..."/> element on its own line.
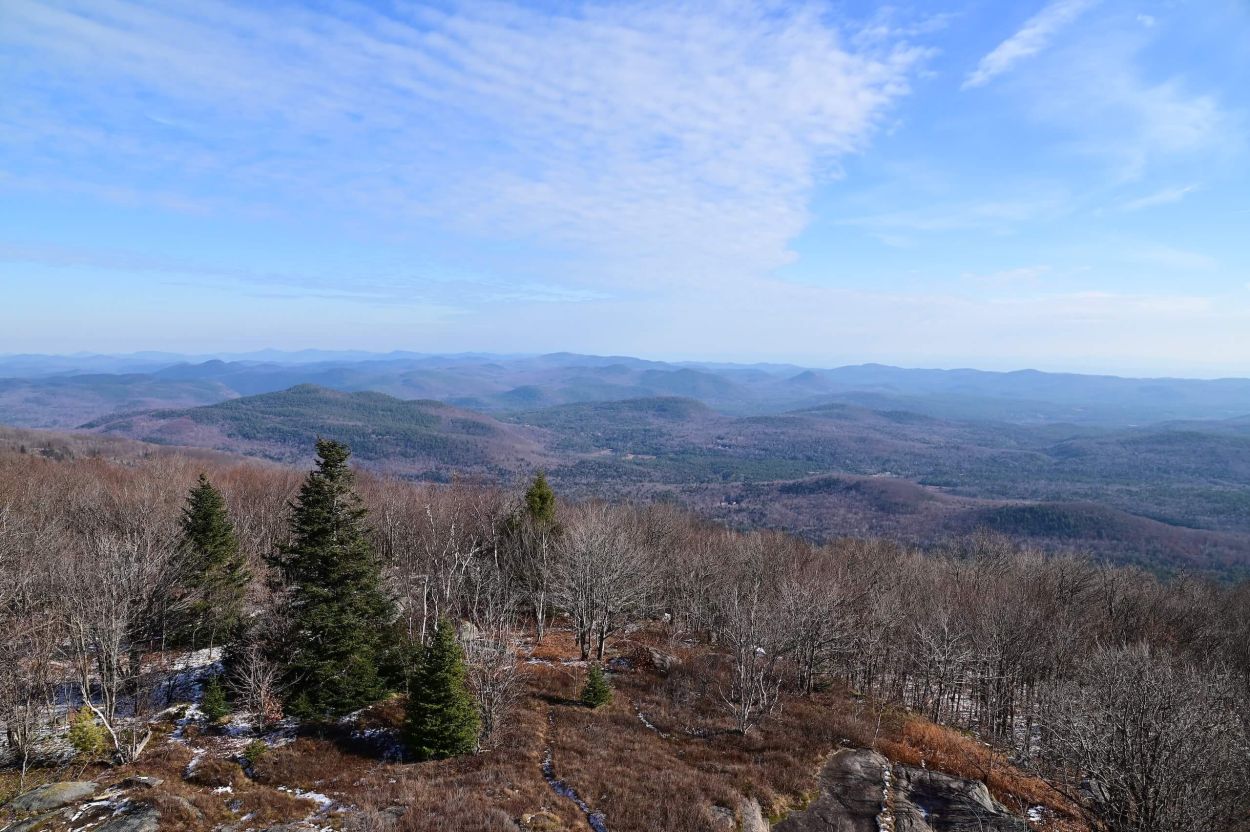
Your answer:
<point x="197" y="659"/>
<point x="324" y="803"/>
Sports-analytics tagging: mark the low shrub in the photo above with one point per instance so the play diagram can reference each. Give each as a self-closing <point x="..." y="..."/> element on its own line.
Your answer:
<point x="87" y="735"/>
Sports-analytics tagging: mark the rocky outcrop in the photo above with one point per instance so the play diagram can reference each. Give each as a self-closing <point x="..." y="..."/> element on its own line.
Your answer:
<point x="928" y="801"/>
<point x="861" y="791"/>
<point x="52" y="796"/>
<point x="752" y="816"/>
<point x="851" y="796"/>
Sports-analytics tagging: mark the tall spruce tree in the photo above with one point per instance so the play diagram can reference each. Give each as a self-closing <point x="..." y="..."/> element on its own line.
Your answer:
<point x="337" y="617"/>
<point x="443" y="720"/>
<point x="214" y="573"/>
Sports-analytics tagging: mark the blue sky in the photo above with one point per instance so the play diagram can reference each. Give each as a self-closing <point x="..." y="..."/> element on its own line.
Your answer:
<point x="1062" y="185"/>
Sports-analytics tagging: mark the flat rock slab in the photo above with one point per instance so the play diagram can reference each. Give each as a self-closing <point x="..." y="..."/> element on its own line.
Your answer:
<point x="53" y="796"/>
<point x="143" y="819"/>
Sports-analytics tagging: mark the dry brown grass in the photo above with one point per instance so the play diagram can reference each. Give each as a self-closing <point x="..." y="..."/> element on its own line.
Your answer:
<point x="672" y="777"/>
<point x="215" y="772"/>
<point x="480" y="793"/>
<point x="949" y="751"/>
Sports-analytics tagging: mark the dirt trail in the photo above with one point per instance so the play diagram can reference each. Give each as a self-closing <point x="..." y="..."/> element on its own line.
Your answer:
<point x="598" y="822"/>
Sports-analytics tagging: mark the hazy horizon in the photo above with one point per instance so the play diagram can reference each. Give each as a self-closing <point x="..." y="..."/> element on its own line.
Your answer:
<point x="346" y="354"/>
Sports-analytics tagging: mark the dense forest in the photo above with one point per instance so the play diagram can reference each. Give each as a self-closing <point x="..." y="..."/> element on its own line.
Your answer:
<point x="474" y="656"/>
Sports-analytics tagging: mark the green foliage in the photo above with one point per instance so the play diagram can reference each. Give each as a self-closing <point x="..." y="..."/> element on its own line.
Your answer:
<point x="254" y="750"/>
<point x="336" y="614"/>
<point x="212" y="569"/>
<point x="88" y="737"/>
<point x="598" y="690"/>
<point x="540" y="501"/>
<point x="443" y="719"/>
<point x="213" y="703"/>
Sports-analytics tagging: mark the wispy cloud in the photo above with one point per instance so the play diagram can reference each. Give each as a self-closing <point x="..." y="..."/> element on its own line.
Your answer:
<point x="1032" y="38"/>
<point x="413" y="285"/>
<point x="1166" y="196"/>
<point x="681" y="140"/>
<point x="992" y="215"/>
<point x="1115" y="102"/>
<point x="1019" y="276"/>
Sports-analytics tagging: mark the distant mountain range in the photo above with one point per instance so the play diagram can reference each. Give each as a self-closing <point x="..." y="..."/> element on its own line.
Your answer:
<point x="60" y="391"/>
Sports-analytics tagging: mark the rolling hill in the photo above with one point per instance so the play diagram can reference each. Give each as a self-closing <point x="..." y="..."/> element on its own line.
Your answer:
<point x="65" y="401"/>
<point x="425" y="437"/>
<point x="1171" y="496"/>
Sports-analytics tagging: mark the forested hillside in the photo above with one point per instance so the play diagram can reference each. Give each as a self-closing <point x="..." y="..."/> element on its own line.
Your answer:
<point x="1172" y="497"/>
<point x="200" y="642"/>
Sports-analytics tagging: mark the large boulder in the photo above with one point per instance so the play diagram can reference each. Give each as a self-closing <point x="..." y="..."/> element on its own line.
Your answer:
<point x="928" y="801"/>
<point x="53" y="796"/>
<point x="859" y="788"/>
<point x="852" y="785"/>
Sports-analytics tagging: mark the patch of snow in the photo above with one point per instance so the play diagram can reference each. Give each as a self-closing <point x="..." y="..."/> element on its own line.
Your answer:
<point x="197" y="658"/>
<point x="323" y="802"/>
<point x="650" y="725"/>
<point x="197" y="755"/>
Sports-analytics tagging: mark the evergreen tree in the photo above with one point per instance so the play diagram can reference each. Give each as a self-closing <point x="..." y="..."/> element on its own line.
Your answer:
<point x="540" y="501"/>
<point x="598" y="690"/>
<point x="86" y="735"/>
<point x="442" y="715"/>
<point x="213" y="703"/>
<point x="214" y="573"/>
<point x="337" y="617"/>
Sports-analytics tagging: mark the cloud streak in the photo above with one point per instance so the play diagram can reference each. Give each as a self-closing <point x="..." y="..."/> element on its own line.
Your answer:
<point x="1166" y="196"/>
<point x="1032" y="38"/>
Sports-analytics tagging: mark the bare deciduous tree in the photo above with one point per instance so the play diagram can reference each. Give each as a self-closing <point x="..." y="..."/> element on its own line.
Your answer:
<point x="255" y="683"/>
<point x="114" y="593"/>
<point x="604" y="576"/>
<point x="1144" y="742"/>
<point x="751" y="629"/>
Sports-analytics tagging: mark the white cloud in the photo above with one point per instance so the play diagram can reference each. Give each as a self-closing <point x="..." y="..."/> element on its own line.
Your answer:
<point x="1033" y="37"/>
<point x="672" y="141"/>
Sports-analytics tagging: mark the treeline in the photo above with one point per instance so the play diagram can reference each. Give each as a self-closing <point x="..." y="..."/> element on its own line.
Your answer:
<point x="329" y="591"/>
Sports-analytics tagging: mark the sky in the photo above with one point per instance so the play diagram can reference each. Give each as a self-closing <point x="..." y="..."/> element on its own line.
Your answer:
<point x="1062" y="185"/>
